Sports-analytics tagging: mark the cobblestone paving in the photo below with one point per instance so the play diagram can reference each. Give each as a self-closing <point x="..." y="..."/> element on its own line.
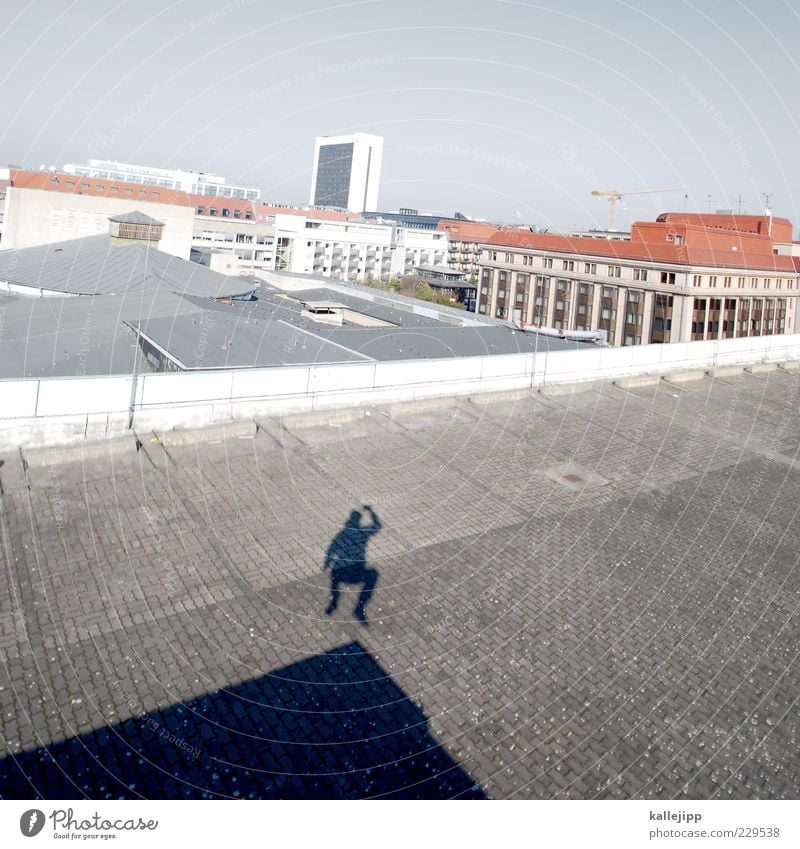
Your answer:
<point x="630" y="632"/>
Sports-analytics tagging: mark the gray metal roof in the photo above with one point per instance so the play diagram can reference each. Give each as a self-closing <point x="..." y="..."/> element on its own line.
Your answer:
<point x="42" y="337"/>
<point x="94" y="265"/>
<point x="271" y="332"/>
<point x="52" y="337"/>
<point x="135" y="217"/>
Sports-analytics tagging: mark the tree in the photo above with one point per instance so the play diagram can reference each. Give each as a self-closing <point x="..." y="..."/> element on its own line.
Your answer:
<point x="425" y="292"/>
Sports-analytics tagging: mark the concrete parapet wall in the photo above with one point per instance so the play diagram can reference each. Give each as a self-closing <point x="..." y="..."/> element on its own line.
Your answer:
<point x="61" y="411"/>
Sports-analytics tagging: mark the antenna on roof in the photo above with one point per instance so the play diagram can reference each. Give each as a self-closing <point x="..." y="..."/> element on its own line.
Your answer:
<point x="739" y="204"/>
<point x="709" y="201"/>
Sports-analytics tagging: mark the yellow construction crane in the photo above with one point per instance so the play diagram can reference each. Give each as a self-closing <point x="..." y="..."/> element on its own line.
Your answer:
<point x="614" y="195"/>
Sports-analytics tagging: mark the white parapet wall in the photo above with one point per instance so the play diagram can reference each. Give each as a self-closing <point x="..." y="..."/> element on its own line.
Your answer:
<point x="61" y="411"/>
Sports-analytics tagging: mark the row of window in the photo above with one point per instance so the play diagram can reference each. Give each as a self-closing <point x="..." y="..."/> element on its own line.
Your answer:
<point x="226" y="213"/>
<point x="644" y="275"/>
<point x="99" y="187"/>
<point x="712" y="280"/>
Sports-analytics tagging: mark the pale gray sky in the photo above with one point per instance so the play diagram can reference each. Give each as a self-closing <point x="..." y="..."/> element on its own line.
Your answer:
<point x="490" y="108"/>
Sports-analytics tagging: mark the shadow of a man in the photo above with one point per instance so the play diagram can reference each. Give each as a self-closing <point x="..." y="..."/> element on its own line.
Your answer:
<point x="346" y="558"/>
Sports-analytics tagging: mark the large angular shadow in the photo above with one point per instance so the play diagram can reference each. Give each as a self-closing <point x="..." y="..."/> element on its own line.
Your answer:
<point x="333" y="726"/>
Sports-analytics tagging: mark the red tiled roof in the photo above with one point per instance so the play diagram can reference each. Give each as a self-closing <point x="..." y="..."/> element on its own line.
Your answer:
<point x="96" y="187"/>
<point x="663" y="252"/>
<point x="738" y="222"/>
<point x="467" y="231"/>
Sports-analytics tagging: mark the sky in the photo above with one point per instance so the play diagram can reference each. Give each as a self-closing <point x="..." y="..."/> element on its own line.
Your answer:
<point x="507" y="110"/>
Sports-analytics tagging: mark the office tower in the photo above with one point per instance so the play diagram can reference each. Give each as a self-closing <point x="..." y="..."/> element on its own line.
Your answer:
<point x="347" y="171"/>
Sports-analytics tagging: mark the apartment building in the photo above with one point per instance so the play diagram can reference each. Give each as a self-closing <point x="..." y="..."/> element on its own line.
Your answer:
<point x="353" y="249"/>
<point x="464" y="244"/>
<point x="682" y="277"/>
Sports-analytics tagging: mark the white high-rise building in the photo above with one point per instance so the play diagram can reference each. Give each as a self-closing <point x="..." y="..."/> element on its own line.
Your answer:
<point x="347" y="172"/>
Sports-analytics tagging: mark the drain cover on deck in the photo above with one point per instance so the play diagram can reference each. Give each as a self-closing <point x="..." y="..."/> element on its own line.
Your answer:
<point x="574" y="477"/>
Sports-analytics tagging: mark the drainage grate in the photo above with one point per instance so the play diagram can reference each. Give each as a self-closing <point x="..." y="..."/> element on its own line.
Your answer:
<point x="574" y="477"/>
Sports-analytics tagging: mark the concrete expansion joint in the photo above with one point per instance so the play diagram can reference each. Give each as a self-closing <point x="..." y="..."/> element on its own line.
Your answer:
<point x="760" y="368"/>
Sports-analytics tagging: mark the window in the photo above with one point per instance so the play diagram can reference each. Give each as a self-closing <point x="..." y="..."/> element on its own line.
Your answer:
<point x="69" y="184"/>
<point x="697" y="280"/>
<point x="568" y="265"/>
<point x="99" y="188"/>
<point x="609" y="292"/>
<point x="640" y="274"/>
<point x="201" y="210"/>
<point x="113" y="189"/>
<point x="519" y="297"/>
<point x="767" y="282"/>
<point x="547" y="262"/>
<point x="128" y="191"/>
<point x="493" y="256"/>
<point x="562" y="285"/>
<point x="726" y="282"/>
<point x="527" y="260"/>
<point x="614" y="271"/>
<point x="154" y="194"/>
<point x="509" y="257"/>
<point x="84" y="185"/>
<point x="212" y="211"/>
<point x="590" y="268"/>
<point x="585" y="289"/>
<point x="741" y="282"/>
<point x="712" y="280"/>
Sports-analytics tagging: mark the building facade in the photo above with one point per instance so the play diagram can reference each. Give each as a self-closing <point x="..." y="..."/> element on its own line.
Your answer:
<point x="464" y="244"/>
<point x="191" y="182"/>
<point x="42" y="207"/>
<point x="681" y="278"/>
<point x="347" y="171"/>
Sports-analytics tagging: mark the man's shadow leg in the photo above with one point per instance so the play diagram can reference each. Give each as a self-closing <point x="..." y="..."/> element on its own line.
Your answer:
<point x="334" y="602"/>
<point x="370" y="579"/>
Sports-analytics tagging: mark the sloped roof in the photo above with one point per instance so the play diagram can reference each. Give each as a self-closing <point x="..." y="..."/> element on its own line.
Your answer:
<point x="94" y="265"/>
<point x="669" y="253"/>
<point x="97" y="187"/>
<point x="136" y="217"/>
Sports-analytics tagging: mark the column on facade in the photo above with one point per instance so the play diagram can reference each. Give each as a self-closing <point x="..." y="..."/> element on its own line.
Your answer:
<point x="647" y="317"/>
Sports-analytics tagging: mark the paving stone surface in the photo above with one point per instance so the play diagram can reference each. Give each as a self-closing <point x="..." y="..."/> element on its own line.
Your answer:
<point x="162" y="611"/>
